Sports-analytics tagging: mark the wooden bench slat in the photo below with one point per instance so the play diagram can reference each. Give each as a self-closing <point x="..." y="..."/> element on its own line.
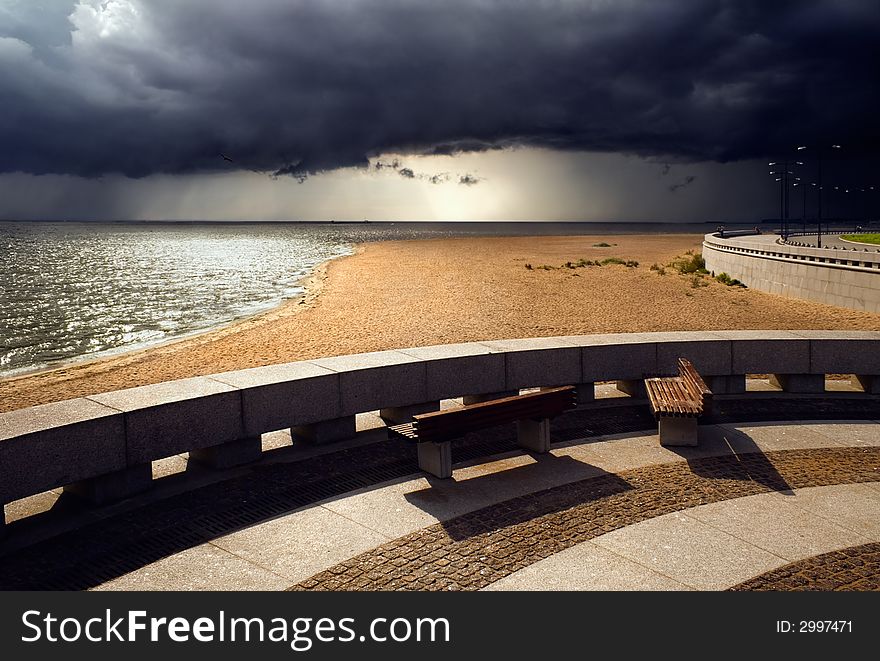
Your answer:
<point x="563" y="395"/>
<point x="440" y="426"/>
<point x="404" y="430"/>
<point x="463" y="417"/>
<point x="678" y="396"/>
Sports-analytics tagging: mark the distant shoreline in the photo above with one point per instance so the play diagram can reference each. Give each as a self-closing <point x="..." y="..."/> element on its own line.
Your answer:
<point x="497" y="223"/>
<point x="310" y="283"/>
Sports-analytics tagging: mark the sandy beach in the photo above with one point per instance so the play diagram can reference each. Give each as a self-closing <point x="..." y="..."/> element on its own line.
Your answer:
<point x="409" y="293"/>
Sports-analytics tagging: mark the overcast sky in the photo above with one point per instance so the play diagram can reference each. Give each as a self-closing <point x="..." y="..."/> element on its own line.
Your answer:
<point x="453" y="109"/>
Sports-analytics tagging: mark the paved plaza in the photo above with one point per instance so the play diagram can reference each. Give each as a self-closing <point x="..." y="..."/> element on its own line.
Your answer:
<point x="791" y="505"/>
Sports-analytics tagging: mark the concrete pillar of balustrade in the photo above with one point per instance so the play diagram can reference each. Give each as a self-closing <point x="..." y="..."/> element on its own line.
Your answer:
<point x="326" y="431"/>
<point x="632" y="387"/>
<point x="400" y="414"/>
<point x="477" y="399"/>
<point x="114" y="486"/>
<point x="799" y="383"/>
<point x="869" y="383"/>
<point x="227" y="455"/>
<point x="727" y="385"/>
<point x="586" y="393"/>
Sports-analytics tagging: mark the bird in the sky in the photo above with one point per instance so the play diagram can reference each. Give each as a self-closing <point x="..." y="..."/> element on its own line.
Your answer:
<point x="230" y="160"/>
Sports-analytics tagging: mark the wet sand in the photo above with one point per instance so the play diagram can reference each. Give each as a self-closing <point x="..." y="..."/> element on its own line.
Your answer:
<point x="411" y="293"/>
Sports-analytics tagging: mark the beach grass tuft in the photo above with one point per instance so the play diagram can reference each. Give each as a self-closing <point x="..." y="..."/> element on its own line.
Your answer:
<point x="689" y="264"/>
<point x="583" y="263"/>
<point x="630" y="263"/>
<point x="725" y="279"/>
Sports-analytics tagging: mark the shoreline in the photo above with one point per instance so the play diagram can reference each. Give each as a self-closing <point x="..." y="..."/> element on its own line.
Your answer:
<point x="311" y="283"/>
<point x="406" y="293"/>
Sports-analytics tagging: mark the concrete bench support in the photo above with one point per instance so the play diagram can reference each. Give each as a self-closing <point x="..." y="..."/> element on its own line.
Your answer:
<point x="436" y="458"/>
<point x="799" y="383"/>
<point x="727" y="385"/>
<point x="869" y="383"/>
<point x="400" y="414"/>
<point x="477" y="399"/>
<point x="227" y="455"/>
<point x="633" y="387"/>
<point x="533" y="435"/>
<point x="678" y="431"/>
<point x="114" y="486"/>
<point x="327" y="431"/>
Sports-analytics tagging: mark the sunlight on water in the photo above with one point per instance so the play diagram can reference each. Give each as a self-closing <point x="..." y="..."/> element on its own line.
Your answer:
<point x="76" y="290"/>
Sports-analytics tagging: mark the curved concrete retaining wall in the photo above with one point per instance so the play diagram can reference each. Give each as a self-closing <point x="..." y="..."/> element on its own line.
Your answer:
<point x="101" y="446"/>
<point x="848" y="278"/>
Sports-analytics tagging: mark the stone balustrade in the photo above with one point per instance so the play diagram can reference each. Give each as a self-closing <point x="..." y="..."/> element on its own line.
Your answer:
<point x="101" y="447"/>
<point x="846" y="277"/>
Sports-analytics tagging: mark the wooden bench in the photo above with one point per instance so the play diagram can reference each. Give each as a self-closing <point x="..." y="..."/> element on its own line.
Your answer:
<point x="532" y="412"/>
<point x="677" y="402"/>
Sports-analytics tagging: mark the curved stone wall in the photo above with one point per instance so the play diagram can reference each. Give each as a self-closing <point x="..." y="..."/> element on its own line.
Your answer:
<point x="848" y="278"/>
<point x="101" y="446"/>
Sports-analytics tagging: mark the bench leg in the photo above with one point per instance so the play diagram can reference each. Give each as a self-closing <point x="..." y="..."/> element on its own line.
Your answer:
<point x="436" y="458"/>
<point x="870" y="384"/>
<point x="477" y="399"/>
<point x="533" y="435"/>
<point x="400" y="414"/>
<point x="2" y="521"/>
<point x="114" y="486"/>
<point x="227" y="455"/>
<point x="678" y="431"/>
<point x="805" y="383"/>
<point x="327" y="431"/>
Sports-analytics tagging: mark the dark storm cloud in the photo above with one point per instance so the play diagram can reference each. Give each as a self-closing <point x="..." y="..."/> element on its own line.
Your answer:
<point x="467" y="178"/>
<point x="283" y="87"/>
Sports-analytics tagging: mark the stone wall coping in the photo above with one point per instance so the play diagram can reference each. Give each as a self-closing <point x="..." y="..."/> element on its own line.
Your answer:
<point x="789" y="253"/>
<point x="22" y="422"/>
<point x="160" y="394"/>
<point x="194" y="413"/>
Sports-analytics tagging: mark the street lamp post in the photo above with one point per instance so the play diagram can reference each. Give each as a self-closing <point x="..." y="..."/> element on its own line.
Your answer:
<point x="872" y="204"/>
<point x="780" y="179"/>
<point x="803" y="186"/>
<point x="819" y="215"/>
<point x="785" y="177"/>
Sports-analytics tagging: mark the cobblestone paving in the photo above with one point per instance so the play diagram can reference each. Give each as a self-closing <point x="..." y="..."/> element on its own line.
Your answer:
<point x="855" y="568"/>
<point x="476" y="549"/>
